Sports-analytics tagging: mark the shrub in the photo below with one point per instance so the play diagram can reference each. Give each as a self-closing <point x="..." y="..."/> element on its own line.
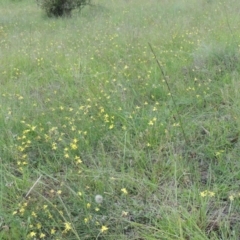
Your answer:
<point x="58" y="8"/>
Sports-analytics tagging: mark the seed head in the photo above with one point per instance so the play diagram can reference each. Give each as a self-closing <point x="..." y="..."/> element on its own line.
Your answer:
<point x="98" y="198"/>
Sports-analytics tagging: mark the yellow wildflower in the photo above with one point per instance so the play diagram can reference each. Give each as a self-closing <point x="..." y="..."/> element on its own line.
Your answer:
<point x="42" y="235"/>
<point x="104" y="229"/>
<point x="32" y="234"/>
<point x="67" y="226"/>
<point x="124" y="190"/>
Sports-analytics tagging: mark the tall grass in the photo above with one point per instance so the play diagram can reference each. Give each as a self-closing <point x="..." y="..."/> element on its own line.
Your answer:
<point x="85" y="111"/>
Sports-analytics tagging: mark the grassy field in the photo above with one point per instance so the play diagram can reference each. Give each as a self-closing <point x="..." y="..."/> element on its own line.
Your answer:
<point x="101" y="140"/>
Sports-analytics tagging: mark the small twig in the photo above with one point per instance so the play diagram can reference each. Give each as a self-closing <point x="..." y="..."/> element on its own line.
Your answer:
<point x="205" y="130"/>
<point x="169" y="89"/>
<point x="33" y="186"/>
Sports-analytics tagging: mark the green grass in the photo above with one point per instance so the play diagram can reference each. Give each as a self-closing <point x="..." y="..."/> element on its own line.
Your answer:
<point x="85" y="110"/>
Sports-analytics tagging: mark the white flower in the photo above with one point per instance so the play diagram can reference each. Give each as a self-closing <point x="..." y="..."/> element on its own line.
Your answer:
<point x="98" y="198"/>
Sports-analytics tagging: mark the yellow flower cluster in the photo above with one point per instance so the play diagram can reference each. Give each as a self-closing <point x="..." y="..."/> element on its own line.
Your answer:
<point x="207" y="193"/>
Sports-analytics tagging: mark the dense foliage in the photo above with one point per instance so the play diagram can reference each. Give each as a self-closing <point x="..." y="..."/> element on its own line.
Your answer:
<point x="60" y="8"/>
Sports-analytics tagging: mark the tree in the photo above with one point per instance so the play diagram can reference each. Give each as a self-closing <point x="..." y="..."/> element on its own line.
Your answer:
<point x="59" y="8"/>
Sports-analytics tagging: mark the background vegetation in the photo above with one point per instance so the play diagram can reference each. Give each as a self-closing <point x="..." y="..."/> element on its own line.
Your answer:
<point x="61" y="8"/>
<point x="85" y="111"/>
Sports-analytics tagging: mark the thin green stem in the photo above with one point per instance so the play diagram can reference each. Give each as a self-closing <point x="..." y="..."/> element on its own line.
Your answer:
<point x="169" y="89"/>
